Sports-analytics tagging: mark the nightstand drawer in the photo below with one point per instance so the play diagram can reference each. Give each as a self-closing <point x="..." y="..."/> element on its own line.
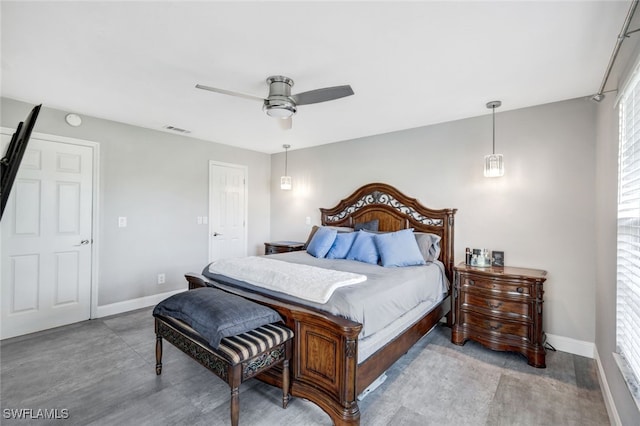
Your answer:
<point x="496" y="285"/>
<point x="494" y="305"/>
<point x="497" y="325"/>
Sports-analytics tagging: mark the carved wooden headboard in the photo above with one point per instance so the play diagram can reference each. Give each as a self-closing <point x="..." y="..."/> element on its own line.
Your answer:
<point x="394" y="211"/>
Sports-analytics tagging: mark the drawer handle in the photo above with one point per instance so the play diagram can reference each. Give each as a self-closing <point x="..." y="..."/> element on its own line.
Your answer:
<point x="494" y="305"/>
<point x="471" y="282"/>
<point x="520" y="290"/>
<point x="493" y="326"/>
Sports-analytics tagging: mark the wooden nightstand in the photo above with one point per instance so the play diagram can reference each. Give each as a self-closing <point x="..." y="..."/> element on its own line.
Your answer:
<point x="282" y="247"/>
<point x="501" y="308"/>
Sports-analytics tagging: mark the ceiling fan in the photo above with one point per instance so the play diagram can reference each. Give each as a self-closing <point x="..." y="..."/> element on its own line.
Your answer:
<point x="281" y="103"/>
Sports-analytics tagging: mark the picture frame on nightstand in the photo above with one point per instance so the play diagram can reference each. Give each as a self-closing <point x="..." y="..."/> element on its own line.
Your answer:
<point x="497" y="259"/>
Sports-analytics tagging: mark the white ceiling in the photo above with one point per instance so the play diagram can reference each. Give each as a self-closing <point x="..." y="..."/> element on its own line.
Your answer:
<point x="410" y="64"/>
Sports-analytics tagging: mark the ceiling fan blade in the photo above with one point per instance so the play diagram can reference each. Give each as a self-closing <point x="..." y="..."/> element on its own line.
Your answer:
<point x="322" y="95"/>
<point x="286" y="123"/>
<point x="229" y="92"/>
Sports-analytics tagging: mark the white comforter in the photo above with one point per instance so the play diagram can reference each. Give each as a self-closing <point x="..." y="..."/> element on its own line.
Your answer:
<point x="303" y="281"/>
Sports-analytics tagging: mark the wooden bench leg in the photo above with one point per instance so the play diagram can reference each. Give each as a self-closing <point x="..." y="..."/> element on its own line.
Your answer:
<point x="285" y="383"/>
<point x="234" y="381"/>
<point x="235" y="406"/>
<point x="158" y="354"/>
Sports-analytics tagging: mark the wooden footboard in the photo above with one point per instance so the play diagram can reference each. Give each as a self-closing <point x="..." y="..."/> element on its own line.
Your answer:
<point x="324" y="364"/>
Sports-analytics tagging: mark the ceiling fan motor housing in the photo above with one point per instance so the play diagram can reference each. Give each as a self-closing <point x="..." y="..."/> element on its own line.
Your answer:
<point x="279" y="103"/>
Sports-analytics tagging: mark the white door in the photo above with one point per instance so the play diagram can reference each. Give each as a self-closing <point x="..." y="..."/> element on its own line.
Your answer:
<point x="46" y="235"/>
<point x="227" y="211"/>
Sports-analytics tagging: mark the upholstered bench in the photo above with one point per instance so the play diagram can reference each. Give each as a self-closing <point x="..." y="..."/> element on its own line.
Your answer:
<point x="232" y="337"/>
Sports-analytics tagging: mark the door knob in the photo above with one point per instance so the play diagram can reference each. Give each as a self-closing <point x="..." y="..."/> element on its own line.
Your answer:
<point x="83" y="243"/>
<point x="215" y="234"/>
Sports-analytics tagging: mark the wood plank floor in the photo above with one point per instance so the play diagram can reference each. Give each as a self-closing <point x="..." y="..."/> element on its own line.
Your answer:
<point x="102" y="372"/>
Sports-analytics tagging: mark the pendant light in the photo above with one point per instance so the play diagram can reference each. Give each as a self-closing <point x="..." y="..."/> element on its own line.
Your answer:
<point x="493" y="164"/>
<point x="285" y="181"/>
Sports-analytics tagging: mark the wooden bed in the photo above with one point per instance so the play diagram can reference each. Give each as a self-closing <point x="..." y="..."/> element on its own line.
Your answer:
<point x="324" y="366"/>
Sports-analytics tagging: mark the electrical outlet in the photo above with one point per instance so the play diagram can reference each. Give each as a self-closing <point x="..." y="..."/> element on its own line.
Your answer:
<point x="161" y="278"/>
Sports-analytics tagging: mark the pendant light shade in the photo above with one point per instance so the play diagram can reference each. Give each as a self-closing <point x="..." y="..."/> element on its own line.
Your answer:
<point x="285" y="181"/>
<point x="493" y="163"/>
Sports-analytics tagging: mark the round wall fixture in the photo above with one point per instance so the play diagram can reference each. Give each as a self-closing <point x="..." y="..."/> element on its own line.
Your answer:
<point x="73" y="120"/>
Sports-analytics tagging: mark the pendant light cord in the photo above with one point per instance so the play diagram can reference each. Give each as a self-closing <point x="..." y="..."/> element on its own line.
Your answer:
<point x="286" y="157"/>
<point x="493" y="105"/>
<point x="494" y="130"/>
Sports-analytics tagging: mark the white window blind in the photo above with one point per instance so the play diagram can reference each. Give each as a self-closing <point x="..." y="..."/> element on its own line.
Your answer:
<point x="628" y="272"/>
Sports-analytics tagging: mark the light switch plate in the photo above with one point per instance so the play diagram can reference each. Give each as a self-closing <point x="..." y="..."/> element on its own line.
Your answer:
<point x="122" y="222"/>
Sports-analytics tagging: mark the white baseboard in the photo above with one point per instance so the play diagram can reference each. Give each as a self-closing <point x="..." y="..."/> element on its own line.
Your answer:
<point x="573" y="346"/>
<point x="614" y="417"/>
<point x="133" y="304"/>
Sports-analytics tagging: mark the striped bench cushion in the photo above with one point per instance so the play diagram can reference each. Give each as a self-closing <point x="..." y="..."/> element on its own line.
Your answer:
<point x="247" y="345"/>
<point x="241" y="347"/>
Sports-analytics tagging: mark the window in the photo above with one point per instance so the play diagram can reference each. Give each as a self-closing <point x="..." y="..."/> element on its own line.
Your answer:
<point x="628" y="254"/>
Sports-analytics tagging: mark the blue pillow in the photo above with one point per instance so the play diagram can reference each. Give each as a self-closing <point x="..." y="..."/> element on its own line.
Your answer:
<point x="216" y="314"/>
<point x="341" y="245"/>
<point x="364" y="248"/>
<point x="399" y="249"/>
<point x="321" y="242"/>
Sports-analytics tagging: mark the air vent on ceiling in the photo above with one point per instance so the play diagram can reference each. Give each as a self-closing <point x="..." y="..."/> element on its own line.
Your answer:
<point x="176" y="129"/>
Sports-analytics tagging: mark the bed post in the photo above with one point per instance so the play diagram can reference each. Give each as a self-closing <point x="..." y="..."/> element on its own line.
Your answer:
<point x="450" y="262"/>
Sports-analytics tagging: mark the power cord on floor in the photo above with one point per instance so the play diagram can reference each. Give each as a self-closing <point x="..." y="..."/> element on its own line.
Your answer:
<point x="549" y="346"/>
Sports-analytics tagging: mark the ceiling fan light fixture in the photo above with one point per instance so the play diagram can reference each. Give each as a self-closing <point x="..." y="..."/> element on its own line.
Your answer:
<point x="279" y="107"/>
<point x="280" y="111"/>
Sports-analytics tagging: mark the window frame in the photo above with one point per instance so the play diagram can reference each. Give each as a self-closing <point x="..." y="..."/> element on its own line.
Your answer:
<point x="627" y="355"/>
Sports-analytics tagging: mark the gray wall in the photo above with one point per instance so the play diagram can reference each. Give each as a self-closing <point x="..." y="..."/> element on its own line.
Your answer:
<point x="541" y="213"/>
<point x="159" y="181"/>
